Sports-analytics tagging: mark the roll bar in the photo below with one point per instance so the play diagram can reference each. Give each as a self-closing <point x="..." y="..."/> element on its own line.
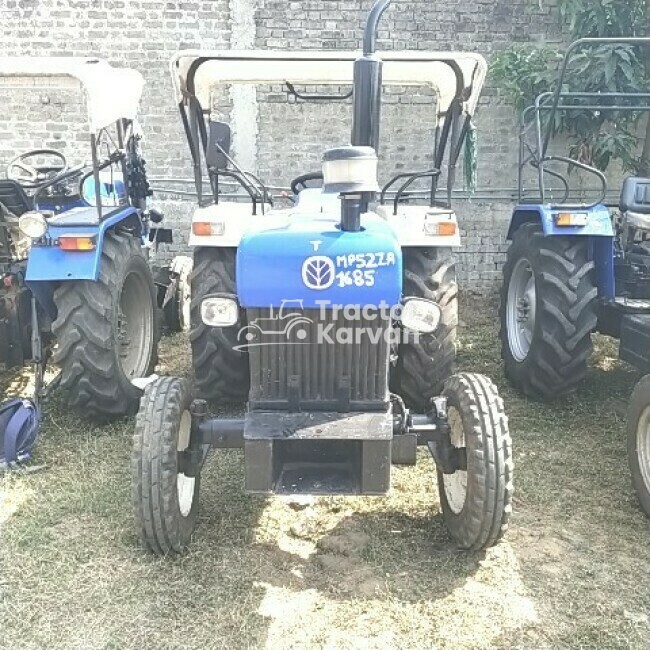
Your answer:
<point x="551" y="102"/>
<point x="456" y="78"/>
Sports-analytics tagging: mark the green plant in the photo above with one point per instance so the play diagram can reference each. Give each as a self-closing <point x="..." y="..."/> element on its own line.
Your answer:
<point x="597" y="137"/>
<point x="523" y="72"/>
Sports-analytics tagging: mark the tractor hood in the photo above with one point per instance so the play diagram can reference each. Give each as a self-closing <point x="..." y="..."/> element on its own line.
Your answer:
<point x="311" y="261"/>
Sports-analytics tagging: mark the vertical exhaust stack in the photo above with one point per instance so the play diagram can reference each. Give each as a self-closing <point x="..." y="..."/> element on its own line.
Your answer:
<point x="352" y="171"/>
<point x="367" y="84"/>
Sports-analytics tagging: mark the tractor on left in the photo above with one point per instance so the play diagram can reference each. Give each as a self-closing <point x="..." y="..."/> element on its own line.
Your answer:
<point x="76" y="287"/>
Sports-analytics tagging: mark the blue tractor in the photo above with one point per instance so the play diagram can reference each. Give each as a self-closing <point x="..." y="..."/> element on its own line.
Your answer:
<point x="76" y="287"/>
<point x="335" y="317"/>
<point x="578" y="265"/>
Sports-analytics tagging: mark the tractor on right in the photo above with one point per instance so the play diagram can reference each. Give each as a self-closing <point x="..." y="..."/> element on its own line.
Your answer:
<point x="581" y="265"/>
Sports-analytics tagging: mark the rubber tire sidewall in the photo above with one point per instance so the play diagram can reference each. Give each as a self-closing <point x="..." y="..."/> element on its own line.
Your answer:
<point x="220" y="373"/>
<point x="639" y="401"/>
<point x="85" y="388"/>
<point x="526" y="375"/>
<point x="484" y="518"/>
<point x="161" y="526"/>
<point x="423" y="367"/>
<point x="138" y="264"/>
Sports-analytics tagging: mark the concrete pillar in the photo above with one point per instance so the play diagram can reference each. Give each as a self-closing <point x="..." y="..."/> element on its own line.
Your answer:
<point x="244" y="97"/>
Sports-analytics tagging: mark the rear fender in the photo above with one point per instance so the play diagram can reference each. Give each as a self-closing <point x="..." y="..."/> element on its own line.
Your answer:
<point x="48" y="263"/>
<point x="599" y="221"/>
<point x="599" y="231"/>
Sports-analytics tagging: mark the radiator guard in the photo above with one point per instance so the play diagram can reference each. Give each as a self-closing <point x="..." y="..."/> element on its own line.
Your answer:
<point x="314" y="360"/>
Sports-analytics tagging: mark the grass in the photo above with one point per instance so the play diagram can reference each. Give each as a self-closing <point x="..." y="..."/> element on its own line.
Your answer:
<point x="338" y="572"/>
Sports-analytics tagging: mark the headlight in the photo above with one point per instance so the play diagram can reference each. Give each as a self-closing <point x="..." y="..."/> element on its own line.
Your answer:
<point x="219" y="311"/>
<point x="32" y="225"/>
<point x="420" y="315"/>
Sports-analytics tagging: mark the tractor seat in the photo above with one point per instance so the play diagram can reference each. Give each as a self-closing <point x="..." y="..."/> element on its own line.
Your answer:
<point x="14" y="197"/>
<point x="635" y="202"/>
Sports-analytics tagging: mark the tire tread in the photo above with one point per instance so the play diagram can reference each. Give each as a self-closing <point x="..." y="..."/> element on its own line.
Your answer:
<point x="161" y="528"/>
<point x="83" y="328"/>
<point x="486" y="515"/>
<point x="220" y="372"/>
<point x="566" y="316"/>
<point x="423" y="367"/>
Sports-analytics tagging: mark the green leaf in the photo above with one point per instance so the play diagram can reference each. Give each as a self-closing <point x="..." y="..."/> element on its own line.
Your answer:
<point x="523" y="72"/>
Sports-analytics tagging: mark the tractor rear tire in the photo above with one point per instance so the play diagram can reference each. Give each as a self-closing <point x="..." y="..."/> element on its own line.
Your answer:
<point x="424" y="365"/>
<point x="546" y="329"/>
<point x="107" y="331"/>
<point x="221" y="373"/>
<point x="477" y="503"/>
<point x="165" y="502"/>
<point x="638" y="441"/>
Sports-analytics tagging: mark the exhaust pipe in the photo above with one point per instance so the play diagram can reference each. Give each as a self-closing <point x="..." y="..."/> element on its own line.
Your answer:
<point x="367" y="84"/>
<point x="352" y="171"/>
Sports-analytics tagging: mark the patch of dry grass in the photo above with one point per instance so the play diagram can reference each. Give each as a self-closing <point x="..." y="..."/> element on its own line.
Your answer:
<point x="338" y="572"/>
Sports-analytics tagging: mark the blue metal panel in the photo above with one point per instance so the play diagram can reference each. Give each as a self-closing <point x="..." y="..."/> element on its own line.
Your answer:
<point x="599" y="220"/>
<point x="603" y="256"/>
<point x="48" y="263"/>
<point x="313" y="261"/>
<point x="599" y="230"/>
<point x="60" y="207"/>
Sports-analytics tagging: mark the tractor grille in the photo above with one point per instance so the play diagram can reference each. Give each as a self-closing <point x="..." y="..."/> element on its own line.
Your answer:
<point x="303" y="361"/>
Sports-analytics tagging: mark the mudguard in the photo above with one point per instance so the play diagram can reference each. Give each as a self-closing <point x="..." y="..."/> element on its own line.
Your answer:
<point x="312" y="261"/>
<point x="47" y="262"/>
<point x="598" y="229"/>
<point x="598" y="222"/>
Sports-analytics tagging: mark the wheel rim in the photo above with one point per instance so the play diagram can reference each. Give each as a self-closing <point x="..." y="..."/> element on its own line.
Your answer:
<point x="643" y="446"/>
<point x="520" y="309"/>
<point x="455" y="485"/>
<point x="135" y="326"/>
<point x="185" y="484"/>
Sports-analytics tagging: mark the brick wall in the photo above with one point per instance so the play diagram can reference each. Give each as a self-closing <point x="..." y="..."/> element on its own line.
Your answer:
<point x="285" y="139"/>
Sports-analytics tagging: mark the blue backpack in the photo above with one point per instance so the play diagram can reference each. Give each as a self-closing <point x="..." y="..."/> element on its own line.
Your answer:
<point x="19" y="423"/>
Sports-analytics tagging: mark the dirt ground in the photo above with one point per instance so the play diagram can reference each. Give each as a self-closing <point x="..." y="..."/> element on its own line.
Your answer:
<point x="337" y="573"/>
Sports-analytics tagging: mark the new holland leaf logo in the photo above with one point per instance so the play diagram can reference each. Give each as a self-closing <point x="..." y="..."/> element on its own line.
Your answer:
<point x="318" y="272"/>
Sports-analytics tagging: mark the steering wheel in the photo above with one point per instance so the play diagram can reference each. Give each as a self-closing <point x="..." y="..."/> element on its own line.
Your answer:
<point x="299" y="183"/>
<point x="61" y="178"/>
<point x="32" y="177"/>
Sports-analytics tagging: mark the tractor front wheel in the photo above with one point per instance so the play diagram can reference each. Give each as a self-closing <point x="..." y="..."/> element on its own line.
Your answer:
<point x="165" y="500"/>
<point x="477" y="502"/>
<point x="638" y="441"/>
<point x="547" y="312"/>
<point x="106" y="331"/>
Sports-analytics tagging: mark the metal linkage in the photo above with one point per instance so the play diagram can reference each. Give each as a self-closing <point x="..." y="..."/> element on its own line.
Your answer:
<point x="409" y="431"/>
